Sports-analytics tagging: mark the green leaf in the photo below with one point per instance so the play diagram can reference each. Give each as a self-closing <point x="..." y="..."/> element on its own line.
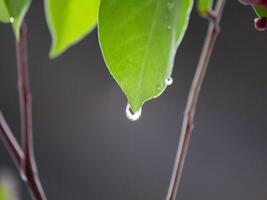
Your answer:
<point x="139" y="39"/>
<point x="3" y="193"/>
<point x="261" y="11"/>
<point x="8" y="187"/>
<point x="14" y="11"/>
<point x="69" y="21"/>
<point x="204" y="6"/>
<point x="4" y="13"/>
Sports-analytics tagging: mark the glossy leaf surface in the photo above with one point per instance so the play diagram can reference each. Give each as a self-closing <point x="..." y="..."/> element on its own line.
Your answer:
<point x="139" y="40"/>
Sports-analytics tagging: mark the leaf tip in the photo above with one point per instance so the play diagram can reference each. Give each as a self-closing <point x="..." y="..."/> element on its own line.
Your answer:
<point x="135" y="106"/>
<point x="54" y="53"/>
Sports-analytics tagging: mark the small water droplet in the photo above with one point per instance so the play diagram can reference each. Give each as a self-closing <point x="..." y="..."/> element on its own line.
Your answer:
<point x="170" y="5"/>
<point x="169" y="81"/>
<point x="11" y="20"/>
<point x="169" y="27"/>
<point x="133" y="116"/>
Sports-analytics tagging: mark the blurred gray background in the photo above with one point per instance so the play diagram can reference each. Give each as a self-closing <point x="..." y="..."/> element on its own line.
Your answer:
<point x="85" y="146"/>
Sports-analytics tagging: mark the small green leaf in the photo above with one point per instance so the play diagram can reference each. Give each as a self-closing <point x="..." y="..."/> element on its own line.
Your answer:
<point x="204" y="6"/>
<point x="69" y="21"/>
<point x="261" y="11"/>
<point x="139" y="39"/>
<point x="13" y="11"/>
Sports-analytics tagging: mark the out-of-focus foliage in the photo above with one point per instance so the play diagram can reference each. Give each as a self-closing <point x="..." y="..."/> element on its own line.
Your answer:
<point x="261" y="11"/>
<point x="204" y="6"/>
<point x="8" y="187"/>
<point x="69" y="21"/>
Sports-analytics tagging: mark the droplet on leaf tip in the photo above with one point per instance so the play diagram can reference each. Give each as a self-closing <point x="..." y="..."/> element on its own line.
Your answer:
<point x="131" y="115"/>
<point x="11" y="20"/>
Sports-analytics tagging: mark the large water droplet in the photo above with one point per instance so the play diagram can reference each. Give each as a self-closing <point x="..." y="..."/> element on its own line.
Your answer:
<point x="169" y="27"/>
<point x="11" y="20"/>
<point x="133" y="116"/>
<point x="169" y="81"/>
<point x="170" y="5"/>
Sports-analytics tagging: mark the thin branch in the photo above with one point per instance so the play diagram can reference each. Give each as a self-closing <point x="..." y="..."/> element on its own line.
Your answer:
<point x="28" y="164"/>
<point x="23" y="158"/>
<point x="187" y="126"/>
<point x="10" y="141"/>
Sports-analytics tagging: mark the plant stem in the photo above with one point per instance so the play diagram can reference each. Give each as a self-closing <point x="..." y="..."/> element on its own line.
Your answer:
<point x="10" y="142"/>
<point x="187" y="126"/>
<point x="23" y="157"/>
<point x="28" y="164"/>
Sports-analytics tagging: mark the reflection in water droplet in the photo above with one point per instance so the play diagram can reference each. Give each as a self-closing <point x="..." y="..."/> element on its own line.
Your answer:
<point x="169" y="27"/>
<point x="170" y="5"/>
<point x="169" y="81"/>
<point x="133" y="116"/>
<point x="11" y="20"/>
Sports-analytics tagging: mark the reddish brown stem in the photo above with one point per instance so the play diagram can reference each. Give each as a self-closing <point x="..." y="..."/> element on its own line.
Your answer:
<point x="10" y="142"/>
<point x="28" y="165"/>
<point x="23" y="157"/>
<point x="187" y="126"/>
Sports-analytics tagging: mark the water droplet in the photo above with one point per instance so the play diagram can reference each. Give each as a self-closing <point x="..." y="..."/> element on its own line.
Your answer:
<point x="169" y="81"/>
<point x="11" y="20"/>
<point x="169" y="27"/>
<point x="133" y="116"/>
<point x="170" y="5"/>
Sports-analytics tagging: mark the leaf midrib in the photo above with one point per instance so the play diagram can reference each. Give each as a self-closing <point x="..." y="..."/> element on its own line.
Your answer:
<point x="153" y="24"/>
